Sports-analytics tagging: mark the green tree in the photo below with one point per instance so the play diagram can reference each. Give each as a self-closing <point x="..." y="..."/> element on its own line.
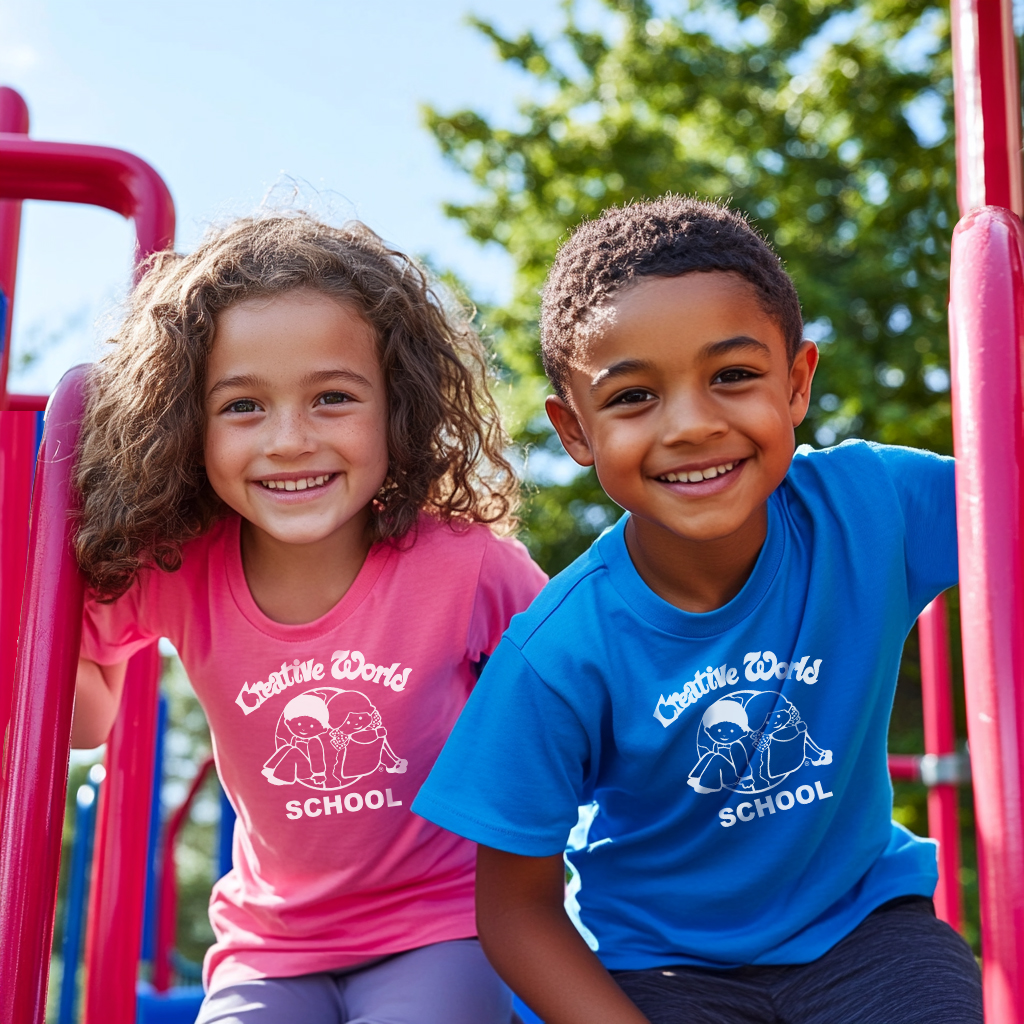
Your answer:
<point x="800" y="112"/>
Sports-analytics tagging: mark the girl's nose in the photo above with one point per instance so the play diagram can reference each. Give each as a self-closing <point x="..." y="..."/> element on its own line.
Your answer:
<point x="289" y="434"/>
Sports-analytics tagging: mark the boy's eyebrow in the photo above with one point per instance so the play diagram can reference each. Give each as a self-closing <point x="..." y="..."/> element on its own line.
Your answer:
<point x="718" y="348"/>
<point x="619" y="369"/>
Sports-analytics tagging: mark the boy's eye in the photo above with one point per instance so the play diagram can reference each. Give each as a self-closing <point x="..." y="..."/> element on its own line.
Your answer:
<point x="242" y="405"/>
<point x="334" y="398"/>
<point x="634" y="396"/>
<point x="733" y="375"/>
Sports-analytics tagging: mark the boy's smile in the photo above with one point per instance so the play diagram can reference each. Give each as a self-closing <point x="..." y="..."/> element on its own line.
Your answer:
<point x="685" y="403"/>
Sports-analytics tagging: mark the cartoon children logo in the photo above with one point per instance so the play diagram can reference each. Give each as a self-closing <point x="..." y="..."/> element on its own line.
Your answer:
<point x="329" y="738"/>
<point x="751" y="741"/>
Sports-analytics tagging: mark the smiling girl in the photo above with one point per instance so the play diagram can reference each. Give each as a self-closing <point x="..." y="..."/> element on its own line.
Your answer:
<point x="290" y="467"/>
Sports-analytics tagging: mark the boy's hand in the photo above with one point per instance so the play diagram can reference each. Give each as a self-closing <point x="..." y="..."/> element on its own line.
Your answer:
<point x="97" y="698"/>
<point x="533" y="945"/>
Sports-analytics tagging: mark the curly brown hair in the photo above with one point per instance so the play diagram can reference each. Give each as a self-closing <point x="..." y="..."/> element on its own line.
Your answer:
<point x="140" y="457"/>
<point x="666" y="237"/>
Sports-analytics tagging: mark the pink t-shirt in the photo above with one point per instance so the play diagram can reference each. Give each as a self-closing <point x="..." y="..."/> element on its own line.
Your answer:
<point x="323" y="733"/>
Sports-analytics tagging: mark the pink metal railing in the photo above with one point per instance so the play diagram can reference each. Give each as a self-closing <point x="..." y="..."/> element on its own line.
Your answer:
<point x="36" y="756"/>
<point x="986" y="327"/>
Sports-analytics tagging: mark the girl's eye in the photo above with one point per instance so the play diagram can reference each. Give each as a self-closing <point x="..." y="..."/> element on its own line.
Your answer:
<point x="334" y="398"/>
<point x="634" y="396"/>
<point x="243" y="405"/>
<point x="734" y="375"/>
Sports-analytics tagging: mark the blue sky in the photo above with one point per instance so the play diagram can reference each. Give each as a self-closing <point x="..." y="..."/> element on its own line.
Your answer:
<point x="228" y="99"/>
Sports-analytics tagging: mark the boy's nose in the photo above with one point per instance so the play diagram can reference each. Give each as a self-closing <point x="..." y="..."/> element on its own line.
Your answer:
<point x="691" y="418"/>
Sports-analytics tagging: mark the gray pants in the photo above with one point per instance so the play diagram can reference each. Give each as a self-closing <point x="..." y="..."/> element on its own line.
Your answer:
<point x="447" y="983"/>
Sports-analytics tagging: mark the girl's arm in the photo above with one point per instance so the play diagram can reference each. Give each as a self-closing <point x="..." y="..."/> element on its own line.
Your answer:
<point x="533" y="945"/>
<point x="97" y="698"/>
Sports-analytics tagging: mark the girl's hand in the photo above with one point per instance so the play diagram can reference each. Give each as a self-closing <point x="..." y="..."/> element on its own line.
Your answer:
<point x="97" y="698"/>
<point x="533" y="945"/>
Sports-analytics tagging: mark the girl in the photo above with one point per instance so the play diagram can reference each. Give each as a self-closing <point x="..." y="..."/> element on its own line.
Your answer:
<point x="291" y="468"/>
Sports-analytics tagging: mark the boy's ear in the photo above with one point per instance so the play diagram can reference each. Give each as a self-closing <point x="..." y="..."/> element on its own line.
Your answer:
<point x="569" y="430"/>
<point x="801" y="373"/>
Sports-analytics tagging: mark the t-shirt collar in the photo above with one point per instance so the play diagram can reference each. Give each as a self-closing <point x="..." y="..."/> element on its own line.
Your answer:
<point x="657" y="611"/>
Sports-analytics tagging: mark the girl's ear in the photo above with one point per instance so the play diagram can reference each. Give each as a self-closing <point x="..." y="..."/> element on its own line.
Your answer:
<point x="570" y="430"/>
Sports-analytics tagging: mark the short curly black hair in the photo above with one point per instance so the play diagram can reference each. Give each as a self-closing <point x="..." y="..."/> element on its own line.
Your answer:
<point x="666" y="237"/>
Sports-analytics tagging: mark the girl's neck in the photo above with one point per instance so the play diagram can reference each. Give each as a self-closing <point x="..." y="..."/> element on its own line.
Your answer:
<point x="298" y="583"/>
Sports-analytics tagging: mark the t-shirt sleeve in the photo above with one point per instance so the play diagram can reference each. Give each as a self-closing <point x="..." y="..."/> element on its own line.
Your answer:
<point x="924" y="485"/>
<point x="512" y="771"/>
<point x="112" y="633"/>
<point x="509" y="580"/>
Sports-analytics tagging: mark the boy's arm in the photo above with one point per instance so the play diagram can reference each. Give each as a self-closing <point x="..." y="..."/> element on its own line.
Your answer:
<point x="97" y="698"/>
<point x="532" y="944"/>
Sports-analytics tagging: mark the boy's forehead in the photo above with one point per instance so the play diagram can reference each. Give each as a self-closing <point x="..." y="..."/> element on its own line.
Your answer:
<point x="683" y="316"/>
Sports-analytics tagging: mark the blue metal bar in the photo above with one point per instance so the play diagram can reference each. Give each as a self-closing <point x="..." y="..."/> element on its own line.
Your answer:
<point x="224" y="835"/>
<point x="78" y="887"/>
<point x="152" y="887"/>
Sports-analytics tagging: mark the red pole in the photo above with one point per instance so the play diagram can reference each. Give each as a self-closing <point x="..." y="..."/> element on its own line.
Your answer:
<point x="14" y="119"/>
<point x="116" y="901"/>
<point x="17" y="452"/>
<point x="940" y="748"/>
<point x="37" y="752"/>
<point x="986" y="104"/>
<point x="32" y="816"/>
<point x="986" y="335"/>
<point x="986" y="322"/>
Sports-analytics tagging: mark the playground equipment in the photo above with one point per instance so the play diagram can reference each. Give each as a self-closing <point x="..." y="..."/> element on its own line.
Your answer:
<point x="987" y="341"/>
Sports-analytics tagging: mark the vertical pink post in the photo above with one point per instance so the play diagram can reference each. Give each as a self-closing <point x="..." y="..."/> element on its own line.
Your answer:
<point x="13" y="118"/>
<point x="114" y="937"/>
<point x="17" y="434"/>
<point x="32" y="816"/>
<point x="940" y="742"/>
<point x="986" y="325"/>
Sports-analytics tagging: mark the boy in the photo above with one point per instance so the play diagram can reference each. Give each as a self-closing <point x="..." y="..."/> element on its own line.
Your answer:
<point x="735" y="870"/>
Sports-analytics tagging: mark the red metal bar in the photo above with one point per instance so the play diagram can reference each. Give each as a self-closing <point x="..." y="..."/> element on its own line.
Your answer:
<point x="27" y="403"/>
<point x="940" y="739"/>
<point x="96" y="175"/>
<point x="906" y="767"/>
<point x="116" y="902"/>
<point x="17" y="453"/>
<point x="987" y="105"/>
<point x="986" y="320"/>
<point x="39" y="741"/>
<point x="167" y="918"/>
<point x="13" y="119"/>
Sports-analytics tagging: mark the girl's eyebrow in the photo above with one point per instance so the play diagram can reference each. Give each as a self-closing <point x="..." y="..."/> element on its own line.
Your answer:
<point x="252" y="382"/>
<point x="329" y="376"/>
<point x="243" y="380"/>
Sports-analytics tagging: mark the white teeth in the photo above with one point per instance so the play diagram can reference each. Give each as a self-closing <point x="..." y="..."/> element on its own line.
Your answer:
<point x="296" y="485"/>
<point x="694" y="476"/>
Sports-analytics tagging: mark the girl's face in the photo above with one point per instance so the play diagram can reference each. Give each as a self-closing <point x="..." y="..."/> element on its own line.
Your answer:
<point x="296" y="416"/>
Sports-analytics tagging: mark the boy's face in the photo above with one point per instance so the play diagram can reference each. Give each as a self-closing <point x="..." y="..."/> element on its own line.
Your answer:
<point x="685" y="403"/>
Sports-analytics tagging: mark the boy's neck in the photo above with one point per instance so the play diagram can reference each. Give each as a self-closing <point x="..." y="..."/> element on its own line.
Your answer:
<point x="697" y="576"/>
<point x="297" y="583"/>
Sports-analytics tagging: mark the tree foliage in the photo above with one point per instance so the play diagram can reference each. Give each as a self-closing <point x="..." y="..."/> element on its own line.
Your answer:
<point x="800" y="112"/>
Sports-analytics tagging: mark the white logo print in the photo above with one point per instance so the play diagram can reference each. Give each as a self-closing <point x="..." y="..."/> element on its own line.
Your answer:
<point x="750" y="741"/>
<point x="329" y="738"/>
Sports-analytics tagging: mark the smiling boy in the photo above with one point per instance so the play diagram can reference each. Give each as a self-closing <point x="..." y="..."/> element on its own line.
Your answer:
<point x="750" y="597"/>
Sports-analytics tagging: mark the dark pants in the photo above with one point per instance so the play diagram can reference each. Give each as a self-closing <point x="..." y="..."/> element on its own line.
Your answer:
<point x="899" y="966"/>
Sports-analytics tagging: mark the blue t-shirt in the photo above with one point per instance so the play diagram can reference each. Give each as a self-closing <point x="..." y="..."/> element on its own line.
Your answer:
<point x="732" y="764"/>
